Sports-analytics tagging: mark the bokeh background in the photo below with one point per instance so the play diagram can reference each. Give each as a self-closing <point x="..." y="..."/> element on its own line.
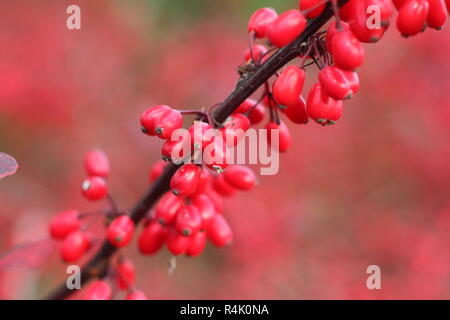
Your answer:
<point x="373" y="189"/>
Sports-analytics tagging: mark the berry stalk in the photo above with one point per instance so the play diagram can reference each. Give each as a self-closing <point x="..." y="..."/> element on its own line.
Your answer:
<point x="246" y="86"/>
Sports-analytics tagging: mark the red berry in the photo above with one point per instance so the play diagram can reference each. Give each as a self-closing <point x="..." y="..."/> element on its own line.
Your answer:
<point x="201" y="135"/>
<point x="257" y="114"/>
<point x="353" y="80"/>
<point x="287" y="88"/>
<point x="189" y="220"/>
<point x="346" y="12"/>
<point x="136" y="295"/>
<point x="447" y="3"/>
<point x="150" y="116"/>
<point x="185" y="180"/>
<point x="64" y="223"/>
<point x="94" y="188"/>
<point x="120" y="231"/>
<point x="205" y="206"/>
<point x="397" y="3"/>
<point x="348" y="52"/>
<point x="363" y="14"/>
<point x="203" y="182"/>
<point x="197" y="244"/>
<point x="288" y="26"/>
<point x="167" y="207"/>
<point x="437" y="14"/>
<point x="96" y="164"/>
<point x="333" y="30"/>
<point x="168" y="123"/>
<point x="216" y="154"/>
<point x="258" y="51"/>
<point x="245" y="106"/>
<point x="177" y="243"/>
<point x="74" y="245"/>
<point x="322" y="108"/>
<point x="234" y="129"/>
<point x="216" y="199"/>
<point x="284" y="137"/>
<point x="297" y="112"/>
<point x="219" y="231"/>
<point x="412" y="17"/>
<point x="260" y="20"/>
<point x="157" y="170"/>
<point x="152" y="238"/>
<point x="240" y="177"/>
<point x="222" y="187"/>
<point x="126" y="274"/>
<point x="98" y="290"/>
<point x="334" y="83"/>
<point x="313" y="7"/>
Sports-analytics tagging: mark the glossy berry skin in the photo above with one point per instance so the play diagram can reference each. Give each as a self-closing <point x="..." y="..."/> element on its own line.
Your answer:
<point x="185" y="180"/>
<point x="201" y="134"/>
<point x="333" y="30"/>
<point x="203" y="183"/>
<point x="283" y="134"/>
<point x="96" y="164"/>
<point x="74" y="245"/>
<point x="222" y="187"/>
<point x="150" y="116"/>
<point x="334" y="83"/>
<point x="306" y="5"/>
<point x="120" y="231"/>
<point x="437" y="14"/>
<point x="64" y="223"/>
<point x="216" y="199"/>
<point x="219" y="231"/>
<point x="296" y="112"/>
<point x="361" y="16"/>
<point x="348" y="52"/>
<point x="258" y="51"/>
<point x="257" y="114"/>
<point x="168" y="123"/>
<point x="152" y="238"/>
<point x="412" y="17"/>
<point x="126" y="274"/>
<point x="240" y="177"/>
<point x="288" y="26"/>
<point x="321" y="108"/>
<point x="353" y="80"/>
<point x="98" y="290"/>
<point x="94" y="188"/>
<point x="157" y="170"/>
<point x="216" y="155"/>
<point x="260" y="20"/>
<point x="167" y="208"/>
<point x="197" y="244"/>
<point x="447" y="3"/>
<point x="205" y="206"/>
<point x="176" y="242"/>
<point x="245" y="106"/>
<point x="136" y="295"/>
<point x="287" y="88"/>
<point x="189" y="221"/>
<point x="234" y="129"/>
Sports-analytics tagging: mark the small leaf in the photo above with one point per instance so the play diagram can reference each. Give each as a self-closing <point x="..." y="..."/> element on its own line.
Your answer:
<point x="30" y="255"/>
<point x="8" y="165"/>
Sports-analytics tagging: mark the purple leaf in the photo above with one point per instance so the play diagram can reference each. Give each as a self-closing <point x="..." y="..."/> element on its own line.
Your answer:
<point x="30" y="255"/>
<point x="8" y="165"/>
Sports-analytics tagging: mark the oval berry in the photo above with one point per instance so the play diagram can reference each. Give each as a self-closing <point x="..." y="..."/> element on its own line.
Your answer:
<point x="348" y="52"/>
<point x="297" y="112"/>
<point x="256" y="52"/>
<point x="177" y="243"/>
<point x="288" y="26"/>
<point x="126" y="274"/>
<point x="313" y="8"/>
<point x="222" y="187"/>
<point x="260" y="20"/>
<point x="98" y="290"/>
<point x="257" y="114"/>
<point x="185" y="180"/>
<point x="284" y="137"/>
<point x="150" y="116"/>
<point x="240" y="177"/>
<point x="94" y="188"/>
<point x="136" y="295"/>
<point x="412" y="17"/>
<point x="189" y="221"/>
<point x="333" y="30"/>
<point x="74" y="245"/>
<point x="205" y="206"/>
<point x="320" y="107"/>
<point x="120" y="231"/>
<point x="437" y="14"/>
<point x="152" y="238"/>
<point x="203" y="182"/>
<point x="201" y="134"/>
<point x="334" y="83"/>
<point x="287" y="88"/>
<point x="64" y="223"/>
<point x="157" y="170"/>
<point x="197" y="244"/>
<point x="216" y="155"/>
<point x="234" y="129"/>
<point x="219" y="231"/>
<point x="167" y="207"/>
<point x="168" y="123"/>
<point x="96" y="164"/>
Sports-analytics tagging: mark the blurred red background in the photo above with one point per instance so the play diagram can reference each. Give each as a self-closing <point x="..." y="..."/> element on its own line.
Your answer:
<point x="373" y="189"/>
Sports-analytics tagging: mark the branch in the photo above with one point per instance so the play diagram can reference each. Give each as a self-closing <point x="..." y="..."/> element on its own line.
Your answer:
<point x="98" y="265"/>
